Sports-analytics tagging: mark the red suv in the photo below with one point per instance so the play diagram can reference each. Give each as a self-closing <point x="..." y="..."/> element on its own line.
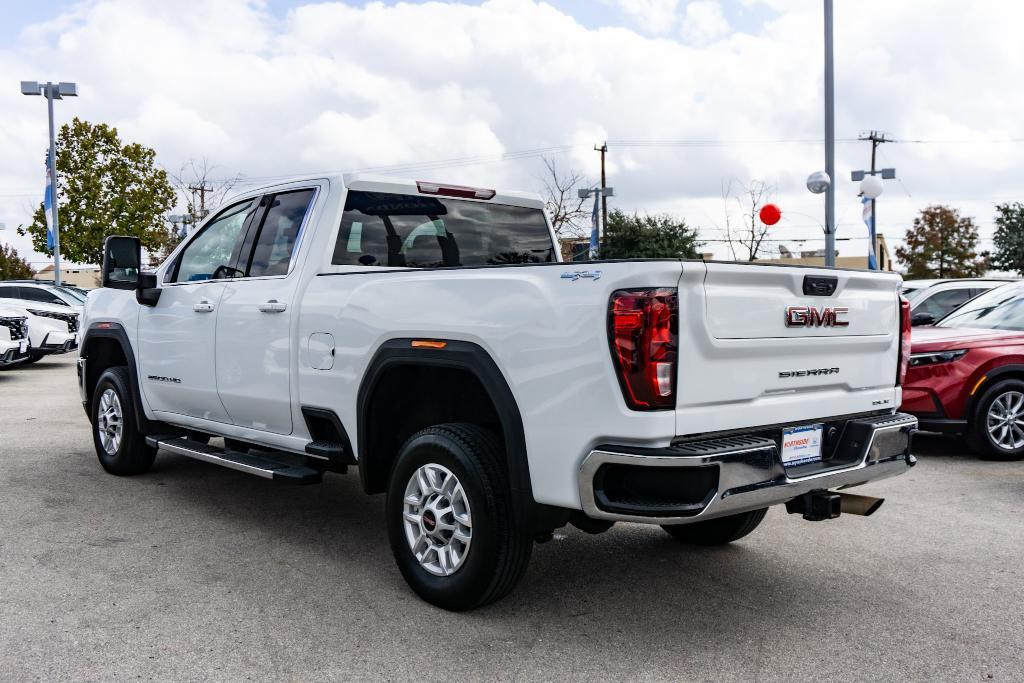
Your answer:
<point x="966" y="373"/>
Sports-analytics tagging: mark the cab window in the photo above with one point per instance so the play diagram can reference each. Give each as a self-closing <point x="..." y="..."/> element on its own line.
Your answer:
<point x="211" y="255"/>
<point x="279" y="233"/>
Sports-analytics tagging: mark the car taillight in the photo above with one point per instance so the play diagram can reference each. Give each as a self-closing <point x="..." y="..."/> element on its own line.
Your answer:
<point x="643" y="328"/>
<point x="901" y="374"/>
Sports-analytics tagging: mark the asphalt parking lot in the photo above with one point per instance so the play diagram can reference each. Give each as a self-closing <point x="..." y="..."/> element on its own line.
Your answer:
<point x="195" y="572"/>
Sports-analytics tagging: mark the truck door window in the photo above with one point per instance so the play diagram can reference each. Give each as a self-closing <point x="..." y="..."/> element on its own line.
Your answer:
<point x="279" y="233"/>
<point x="412" y="231"/>
<point x="211" y="254"/>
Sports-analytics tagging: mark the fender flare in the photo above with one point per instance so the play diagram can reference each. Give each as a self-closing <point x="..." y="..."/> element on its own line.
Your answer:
<point x="115" y="331"/>
<point x="992" y="376"/>
<point x="460" y="355"/>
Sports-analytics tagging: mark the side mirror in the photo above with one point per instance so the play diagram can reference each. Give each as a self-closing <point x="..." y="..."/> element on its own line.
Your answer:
<point x="122" y="262"/>
<point x="922" y="319"/>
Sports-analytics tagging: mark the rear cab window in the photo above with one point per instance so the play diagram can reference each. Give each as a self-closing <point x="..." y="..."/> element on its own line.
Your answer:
<point x="411" y="231"/>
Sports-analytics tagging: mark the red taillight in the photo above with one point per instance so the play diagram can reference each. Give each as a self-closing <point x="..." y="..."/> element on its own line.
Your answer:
<point x="901" y="375"/>
<point x="455" y="191"/>
<point x="643" y="326"/>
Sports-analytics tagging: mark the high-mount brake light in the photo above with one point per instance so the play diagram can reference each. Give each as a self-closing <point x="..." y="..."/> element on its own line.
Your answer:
<point x="901" y="374"/>
<point x="643" y="331"/>
<point x="455" y="191"/>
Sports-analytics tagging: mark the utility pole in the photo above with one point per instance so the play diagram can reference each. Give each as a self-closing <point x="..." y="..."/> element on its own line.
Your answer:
<point x="830" y="143"/>
<point x="202" y="188"/>
<point x="603" y="149"/>
<point x="875" y="138"/>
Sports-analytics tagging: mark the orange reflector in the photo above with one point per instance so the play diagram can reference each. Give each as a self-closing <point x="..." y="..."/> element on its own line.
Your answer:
<point x="428" y="344"/>
<point x="984" y="377"/>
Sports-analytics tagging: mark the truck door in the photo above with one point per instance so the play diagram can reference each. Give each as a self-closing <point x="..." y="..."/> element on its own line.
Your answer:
<point x="254" y="335"/>
<point x="176" y="337"/>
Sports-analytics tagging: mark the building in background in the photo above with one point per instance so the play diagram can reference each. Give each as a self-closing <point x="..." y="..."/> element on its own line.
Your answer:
<point x="86" y="277"/>
<point x="816" y="257"/>
<point x="578" y="249"/>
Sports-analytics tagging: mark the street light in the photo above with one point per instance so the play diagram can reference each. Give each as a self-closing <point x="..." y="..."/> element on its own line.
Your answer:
<point x="52" y="91"/>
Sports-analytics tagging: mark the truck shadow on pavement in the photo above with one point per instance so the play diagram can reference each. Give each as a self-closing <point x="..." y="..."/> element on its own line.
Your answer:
<point x="633" y="587"/>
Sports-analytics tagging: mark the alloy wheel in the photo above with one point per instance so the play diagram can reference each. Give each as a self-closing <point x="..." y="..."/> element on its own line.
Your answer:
<point x="437" y="519"/>
<point x="110" y="421"/>
<point x="1005" y="420"/>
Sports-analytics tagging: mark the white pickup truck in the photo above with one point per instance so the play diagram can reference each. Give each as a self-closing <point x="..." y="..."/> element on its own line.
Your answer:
<point x="429" y="336"/>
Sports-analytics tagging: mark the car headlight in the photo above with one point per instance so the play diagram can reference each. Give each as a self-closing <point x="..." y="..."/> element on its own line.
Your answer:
<point x="935" y="357"/>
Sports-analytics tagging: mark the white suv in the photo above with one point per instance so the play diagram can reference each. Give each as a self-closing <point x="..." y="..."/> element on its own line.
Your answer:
<point x="32" y="292"/>
<point x="13" y="337"/>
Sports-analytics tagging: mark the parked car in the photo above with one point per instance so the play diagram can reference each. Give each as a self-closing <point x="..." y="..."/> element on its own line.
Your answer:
<point x="967" y="373"/>
<point x="932" y="300"/>
<point x="34" y="291"/>
<point x="52" y="329"/>
<point x="13" y="337"/>
<point x="428" y="335"/>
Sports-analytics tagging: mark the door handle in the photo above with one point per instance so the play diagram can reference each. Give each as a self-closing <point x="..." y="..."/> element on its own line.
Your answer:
<point x="203" y="306"/>
<point x="273" y="306"/>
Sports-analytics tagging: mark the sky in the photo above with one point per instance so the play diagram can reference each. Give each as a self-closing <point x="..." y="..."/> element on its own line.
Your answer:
<point x="691" y="95"/>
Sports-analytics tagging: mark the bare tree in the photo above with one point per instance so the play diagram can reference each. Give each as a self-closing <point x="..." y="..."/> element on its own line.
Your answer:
<point x="569" y="217"/>
<point x="743" y="230"/>
<point x="200" y="189"/>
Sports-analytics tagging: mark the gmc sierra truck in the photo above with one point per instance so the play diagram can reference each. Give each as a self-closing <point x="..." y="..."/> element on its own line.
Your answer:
<point x="429" y="336"/>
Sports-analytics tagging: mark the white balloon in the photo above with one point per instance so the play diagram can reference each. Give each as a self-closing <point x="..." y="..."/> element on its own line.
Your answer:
<point x="871" y="186"/>
<point x="818" y="182"/>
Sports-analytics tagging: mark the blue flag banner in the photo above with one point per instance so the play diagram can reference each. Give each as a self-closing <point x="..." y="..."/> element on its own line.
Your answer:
<point x="595" y="229"/>
<point x="48" y="205"/>
<point x="869" y="220"/>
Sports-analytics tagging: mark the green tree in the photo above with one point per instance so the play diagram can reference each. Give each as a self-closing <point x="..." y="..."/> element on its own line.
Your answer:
<point x="942" y="244"/>
<point x="1009" y="238"/>
<point x="106" y="188"/>
<point x="660" y="236"/>
<point x="13" y="266"/>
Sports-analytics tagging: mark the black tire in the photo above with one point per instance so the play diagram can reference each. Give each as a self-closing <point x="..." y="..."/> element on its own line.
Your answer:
<point x="131" y="455"/>
<point x="33" y="357"/>
<point x="978" y="436"/>
<point x="499" y="550"/>
<point x="717" y="531"/>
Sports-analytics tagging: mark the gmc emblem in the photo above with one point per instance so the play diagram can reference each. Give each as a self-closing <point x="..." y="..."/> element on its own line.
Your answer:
<point x="809" y="316"/>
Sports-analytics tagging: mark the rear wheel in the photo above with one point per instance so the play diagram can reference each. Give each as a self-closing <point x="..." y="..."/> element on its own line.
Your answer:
<point x="119" y="444"/>
<point x="717" y="531"/>
<point x="450" y="518"/>
<point x="997" y="431"/>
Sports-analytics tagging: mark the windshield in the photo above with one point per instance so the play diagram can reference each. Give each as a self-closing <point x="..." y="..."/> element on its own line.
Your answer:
<point x="73" y="294"/>
<point x="1001" y="308"/>
<point x="911" y="293"/>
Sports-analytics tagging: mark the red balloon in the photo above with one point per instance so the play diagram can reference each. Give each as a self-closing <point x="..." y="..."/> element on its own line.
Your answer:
<point x="770" y="214"/>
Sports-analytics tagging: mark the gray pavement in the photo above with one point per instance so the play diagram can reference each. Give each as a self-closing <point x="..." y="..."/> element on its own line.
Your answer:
<point x="196" y="572"/>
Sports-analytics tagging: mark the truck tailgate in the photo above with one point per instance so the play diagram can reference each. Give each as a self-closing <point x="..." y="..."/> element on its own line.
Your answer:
<point x="754" y="349"/>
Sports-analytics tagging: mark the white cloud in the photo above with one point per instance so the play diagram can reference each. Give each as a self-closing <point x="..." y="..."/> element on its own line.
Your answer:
<point x="654" y="16"/>
<point x="703" y="21"/>
<point x="331" y="86"/>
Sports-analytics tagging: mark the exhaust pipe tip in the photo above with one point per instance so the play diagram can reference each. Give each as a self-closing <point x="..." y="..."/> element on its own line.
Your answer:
<point x="865" y="506"/>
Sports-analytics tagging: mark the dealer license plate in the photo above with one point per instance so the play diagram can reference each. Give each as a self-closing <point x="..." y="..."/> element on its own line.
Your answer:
<point x="23" y="346"/>
<point x="801" y="445"/>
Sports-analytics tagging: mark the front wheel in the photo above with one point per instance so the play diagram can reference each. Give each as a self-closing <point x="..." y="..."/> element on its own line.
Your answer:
<point x="997" y="431"/>
<point x="717" y="531"/>
<point x="119" y="444"/>
<point x="450" y="518"/>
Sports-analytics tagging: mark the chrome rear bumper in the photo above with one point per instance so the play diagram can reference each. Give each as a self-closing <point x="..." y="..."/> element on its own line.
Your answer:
<point x="736" y="474"/>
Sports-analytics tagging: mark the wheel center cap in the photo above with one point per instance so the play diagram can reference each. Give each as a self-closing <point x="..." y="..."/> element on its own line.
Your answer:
<point x="429" y="521"/>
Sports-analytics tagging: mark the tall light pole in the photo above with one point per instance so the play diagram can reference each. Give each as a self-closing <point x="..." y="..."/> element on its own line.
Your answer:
<point x="52" y="91"/>
<point x="830" y="142"/>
